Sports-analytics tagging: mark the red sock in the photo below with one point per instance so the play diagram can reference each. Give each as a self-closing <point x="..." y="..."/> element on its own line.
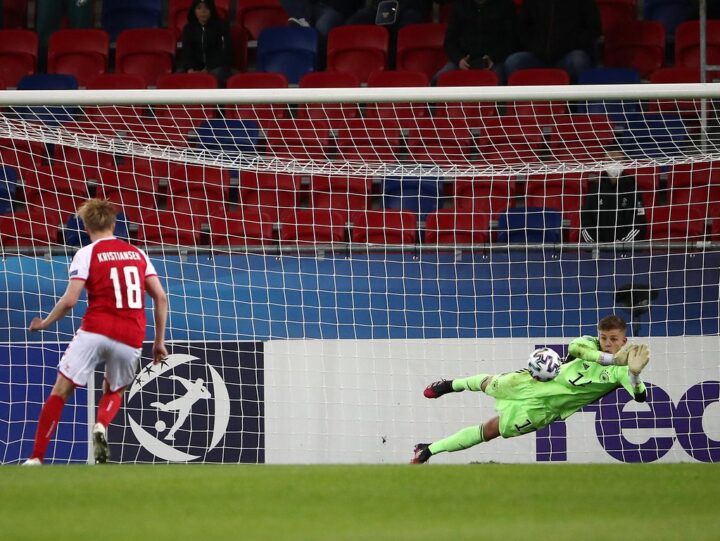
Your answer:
<point x="108" y="407"/>
<point x="49" y="418"/>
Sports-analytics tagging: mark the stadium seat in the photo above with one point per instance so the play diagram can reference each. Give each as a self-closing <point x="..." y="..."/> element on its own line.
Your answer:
<point x="257" y="15"/>
<point x="419" y="195"/>
<point x="178" y="13"/>
<point x="340" y="193"/>
<point x="670" y="13"/>
<point x="18" y="55"/>
<point x="456" y="226"/>
<point x="368" y="140"/>
<point x="168" y="227"/>
<point x="336" y="115"/>
<point x="121" y="15"/>
<point x="484" y="195"/>
<point x="50" y="115"/>
<point x="23" y="155"/>
<point x="148" y="52"/>
<point x="74" y="233"/>
<point x="467" y="113"/>
<point x="682" y="223"/>
<point x="270" y="193"/>
<point x="420" y="47"/>
<point x="389" y="226"/>
<point x="531" y="225"/>
<point x="615" y="110"/>
<point x="8" y="188"/>
<point x="614" y="13"/>
<point x="134" y="187"/>
<point x="33" y="228"/>
<point x="439" y="141"/>
<point x="358" y="49"/>
<point x="290" y="50"/>
<point x="687" y="45"/>
<point x="119" y="119"/>
<point x="88" y="162"/>
<point x="312" y="226"/>
<point x="82" y="52"/>
<point x="686" y="108"/>
<point x="182" y="116"/>
<point x="14" y="13"/>
<point x="239" y="39"/>
<point x="715" y="230"/>
<point x="509" y="141"/>
<point x="263" y="114"/>
<point x="228" y="135"/>
<point x="647" y="180"/>
<point x="204" y="186"/>
<point x="298" y="138"/>
<point x="563" y="192"/>
<point x="242" y="227"/>
<point x="541" y="112"/>
<point x="639" y="45"/>
<point x="398" y="114"/>
<point x="654" y="135"/>
<point x="581" y="138"/>
<point x="696" y="184"/>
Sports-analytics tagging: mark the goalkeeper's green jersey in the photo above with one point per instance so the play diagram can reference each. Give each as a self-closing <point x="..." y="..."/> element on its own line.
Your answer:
<point x="583" y="380"/>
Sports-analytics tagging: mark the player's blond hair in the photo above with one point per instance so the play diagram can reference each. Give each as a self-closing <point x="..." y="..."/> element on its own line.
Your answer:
<point x="97" y="215"/>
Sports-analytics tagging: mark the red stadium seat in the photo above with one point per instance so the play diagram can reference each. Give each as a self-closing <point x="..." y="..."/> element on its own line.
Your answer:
<point x="715" y="230"/>
<point x="205" y="188"/>
<point x="398" y="113"/>
<point x="687" y="108"/>
<point x="560" y="191"/>
<point x="239" y="39"/>
<point x="697" y="185"/>
<point x="336" y="115"/>
<point x="18" y="55"/>
<point x="257" y="15"/>
<point x="82" y="52"/>
<point x="90" y="162"/>
<point x="506" y="141"/>
<point x="242" y="227"/>
<point x="358" y="49"/>
<point x="489" y="195"/>
<point x="456" y="226"/>
<point x="263" y="114"/>
<point x="312" y="226"/>
<point x="21" y="154"/>
<point x="581" y="138"/>
<point x="368" y="140"/>
<point x="343" y="194"/>
<point x="439" y="140"/>
<point x="15" y="13"/>
<point x="134" y="188"/>
<point x="182" y="116"/>
<point x="300" y="139"/>
<point x="687" y="45"/>
<point x="420" y="47"/>
<point x="540" y="112"/>
<point x="118" y="118"/>
<point x="148" y="52"/>
<point x="270" y="193"/>
<point x="638" y="44"/>
<point x="168" y="227"/>
<point x="614" y="13"/>
<point x="389" y="226"/>
<point x="33" y="228"/>
<point x="469" y="113"/>
<point x="680" y="223"/>
<point x="57" y="179"/>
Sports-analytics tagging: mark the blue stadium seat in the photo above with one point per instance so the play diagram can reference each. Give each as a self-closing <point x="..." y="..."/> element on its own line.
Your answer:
<point x="8" y="187"/>
<point x="655" y="135"/>
<point x="228" y="135"/>
<point x="669" y="12"/>
<point x="119" y="15"/>
<point x="530" y="224"/>
<point x="418" y="195"/>
<point x="615" y="110"/>
<point x="289" y="50"/>
<point x="52" y="115"/>
<point x="75" y="234"/>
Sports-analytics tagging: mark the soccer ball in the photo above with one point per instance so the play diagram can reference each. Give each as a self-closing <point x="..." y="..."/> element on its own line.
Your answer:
<point x="544" y="364"/>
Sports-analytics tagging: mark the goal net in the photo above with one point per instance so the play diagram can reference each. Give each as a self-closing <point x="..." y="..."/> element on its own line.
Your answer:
<point x="329" y="252"/>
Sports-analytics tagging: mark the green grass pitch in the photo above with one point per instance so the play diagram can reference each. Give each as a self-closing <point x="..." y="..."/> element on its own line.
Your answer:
<point x="414" y="503"/>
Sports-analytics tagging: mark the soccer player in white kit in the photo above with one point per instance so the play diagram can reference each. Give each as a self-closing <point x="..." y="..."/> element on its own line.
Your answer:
<point x="116" y="276"/>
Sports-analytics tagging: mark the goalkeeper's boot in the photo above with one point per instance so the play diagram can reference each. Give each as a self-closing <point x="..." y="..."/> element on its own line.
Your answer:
<point x="32" y="462"/>
<point x="438" y="388"/>
<point x="422" y="453"/>
<point x="100" y="445"/>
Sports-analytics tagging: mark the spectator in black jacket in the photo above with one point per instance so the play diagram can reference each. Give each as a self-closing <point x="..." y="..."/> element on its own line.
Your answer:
<point x="615" y="210"/>
<point x="557" y="33"/>
<point x="206" y="45"/>
<point x="480" y="35"/>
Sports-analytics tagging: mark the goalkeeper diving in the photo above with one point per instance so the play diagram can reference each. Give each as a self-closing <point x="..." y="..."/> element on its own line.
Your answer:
<point x="595" y="366"/>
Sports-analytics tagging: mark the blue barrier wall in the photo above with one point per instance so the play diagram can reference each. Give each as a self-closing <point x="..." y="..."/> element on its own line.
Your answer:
<point x="255" y="297"/>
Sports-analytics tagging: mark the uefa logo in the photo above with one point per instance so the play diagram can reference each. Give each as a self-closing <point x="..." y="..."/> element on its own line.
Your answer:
<point x="170" y="397"/>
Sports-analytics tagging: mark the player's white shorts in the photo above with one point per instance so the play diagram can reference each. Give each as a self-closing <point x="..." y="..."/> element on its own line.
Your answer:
<point x="88" y="349"/>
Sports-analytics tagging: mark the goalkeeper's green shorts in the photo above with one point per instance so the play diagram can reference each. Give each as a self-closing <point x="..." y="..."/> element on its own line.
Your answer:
<point x="520" y="410"/>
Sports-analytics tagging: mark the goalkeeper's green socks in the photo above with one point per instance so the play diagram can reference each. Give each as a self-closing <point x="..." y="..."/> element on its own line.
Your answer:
<point x="464" y="439"/>
<point x="471" y="383"/>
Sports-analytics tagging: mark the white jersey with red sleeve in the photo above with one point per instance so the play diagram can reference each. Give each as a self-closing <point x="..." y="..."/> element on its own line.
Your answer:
<point x="114" y="273"/>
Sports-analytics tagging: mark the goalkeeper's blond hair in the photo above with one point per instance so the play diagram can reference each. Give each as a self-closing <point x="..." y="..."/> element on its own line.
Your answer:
<point x="97" y="215"/>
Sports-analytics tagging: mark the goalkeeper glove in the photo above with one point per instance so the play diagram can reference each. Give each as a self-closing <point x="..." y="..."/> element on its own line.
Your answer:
<point x="621" y="357"/>
<point x="638" y="359"/>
